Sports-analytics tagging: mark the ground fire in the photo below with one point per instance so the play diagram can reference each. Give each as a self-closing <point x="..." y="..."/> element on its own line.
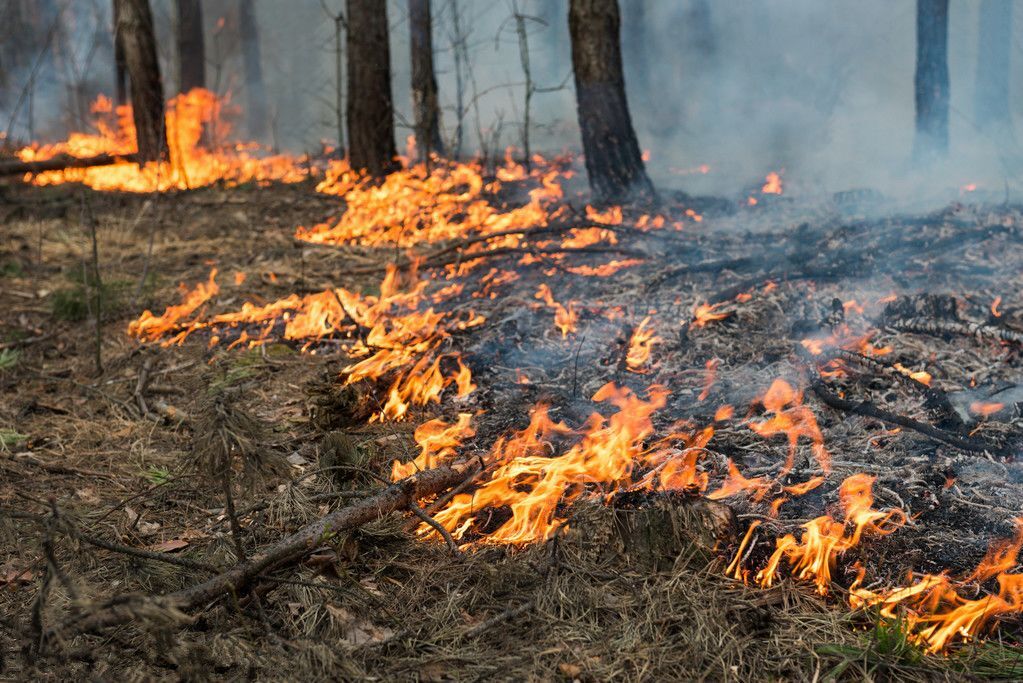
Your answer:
<point x="526" y="400"/>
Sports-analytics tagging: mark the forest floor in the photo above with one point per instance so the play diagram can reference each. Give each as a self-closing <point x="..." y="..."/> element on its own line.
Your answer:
<point x="88" y="453"/>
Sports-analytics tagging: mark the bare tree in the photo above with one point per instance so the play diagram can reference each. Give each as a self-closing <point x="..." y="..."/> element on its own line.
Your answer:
<point x="991" y="98"/>
<point x="191" y="47"/>
<point x="255" y="89"/>
<point x="370" y="108"/>
<point x="425" y="106"/>
<point x="931" y="85"/>
<point x="135" y="31"/>
<point x="613" y="160"/>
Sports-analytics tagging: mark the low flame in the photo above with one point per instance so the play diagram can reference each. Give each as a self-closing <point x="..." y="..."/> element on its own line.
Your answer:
<point x="640" y="347"/>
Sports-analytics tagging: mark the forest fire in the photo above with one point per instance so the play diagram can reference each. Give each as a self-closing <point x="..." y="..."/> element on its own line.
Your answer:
<point x="438" y="413"/>
<point x="194" y="120"/>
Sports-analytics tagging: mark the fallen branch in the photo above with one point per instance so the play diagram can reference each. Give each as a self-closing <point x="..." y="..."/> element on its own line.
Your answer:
<point x="298" y="545"/>
<point x="59" y="163"/>
<point x="868" y="409"/>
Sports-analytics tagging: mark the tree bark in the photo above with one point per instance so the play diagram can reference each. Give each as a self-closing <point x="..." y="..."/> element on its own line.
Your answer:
<point x="135" y="30"/>
<point x="991" y="98"/>
<point x="613" y="160"/>
<point x="931" y="83"/>
<point x="425" y="106"/>
<point x="255" y="89"/>
<point x="370" y="108"/>
<point x="191" y="48"/>
<point x="120" y="70"/>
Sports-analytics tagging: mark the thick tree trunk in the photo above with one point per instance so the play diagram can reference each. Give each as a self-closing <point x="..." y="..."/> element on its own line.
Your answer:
<point x="135" y="30"/>
<point x="370" y="108"/>
<point x="931" y="82"/>
<point x="424" y="83"/>
<point x="120" y="70"/>
<point x="255" y="89"/>
<point x="991" y="103"/>
<point x="613" y="161"/>
<point x="191" y="49"/>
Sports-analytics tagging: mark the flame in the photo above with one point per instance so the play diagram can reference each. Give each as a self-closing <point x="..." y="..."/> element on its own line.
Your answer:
<point x="709" y="379"/>
<point x="565" y="318"/>
<point x="532" y="485"/>
<point x="437" y="442"/>
<point x="795" y="420"/>
<point x="994" y="307"/>
<point x="190" y="117"/>
<point x="612" y="216"/>
<point x="640" y="346"/>
<point x="933" y="608"/>
<point x="704" y="313"/>
<point x="773" y="184"/>
<point x="812" y="557"/>
<point x="444" y="200"/>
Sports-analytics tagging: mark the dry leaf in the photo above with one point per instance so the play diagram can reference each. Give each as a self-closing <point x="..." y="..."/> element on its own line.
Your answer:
<point x="169" y="546"/>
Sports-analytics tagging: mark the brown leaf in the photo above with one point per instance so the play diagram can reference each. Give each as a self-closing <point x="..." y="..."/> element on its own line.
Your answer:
<point x="12" y="575"/>
<point x="169" y="546"/>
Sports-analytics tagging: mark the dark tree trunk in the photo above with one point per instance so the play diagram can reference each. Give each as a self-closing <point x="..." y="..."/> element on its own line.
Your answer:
<point x="613" y="161"/>
<point x="931" y="82"/>
<point x="135" y="30"/>
<point x="991" y="105"/>
<point x="120" y="70"/>
<point x="370" y="108"/>
<point x="424" y="83"/>
<point x="256" y="116"/>
<point x="191" y="49"/>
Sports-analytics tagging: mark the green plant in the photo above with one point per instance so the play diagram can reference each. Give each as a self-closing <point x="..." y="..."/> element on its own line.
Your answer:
<point x="10" y="438"/>
<point x="11" y="269"/>
<point x="157" y="475"/>
<point x="8" y="358"/>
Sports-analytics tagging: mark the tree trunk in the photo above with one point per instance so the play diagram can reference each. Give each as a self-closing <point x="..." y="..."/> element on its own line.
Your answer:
<point x="613" y="161"/>
<point x="120" y="70"/>
<point x="931" y="82"/>
<point x="424" y="84"/>
<point x="991" y="103"/>
<point x="370" y="109"/>
<point x="135" y="30"/>
<point x="191" y="49"/>
<point x="256" y="116"/>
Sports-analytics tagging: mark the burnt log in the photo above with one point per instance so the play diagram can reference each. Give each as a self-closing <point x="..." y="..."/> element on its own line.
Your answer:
<point x="59" y="163"/>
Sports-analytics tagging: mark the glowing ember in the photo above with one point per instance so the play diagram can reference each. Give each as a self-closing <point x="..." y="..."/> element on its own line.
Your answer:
<point x="705" y="313"/>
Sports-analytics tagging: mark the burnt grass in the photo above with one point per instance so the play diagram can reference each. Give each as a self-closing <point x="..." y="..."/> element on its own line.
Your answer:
<point x="79" y="458"/>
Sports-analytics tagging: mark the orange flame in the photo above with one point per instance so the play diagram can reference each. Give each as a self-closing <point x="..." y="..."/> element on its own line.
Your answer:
<point x="640" y="347"/>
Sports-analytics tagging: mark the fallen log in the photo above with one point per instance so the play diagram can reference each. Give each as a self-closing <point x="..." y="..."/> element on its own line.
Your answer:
<point x="61" y="162"/>
<point x="121" y="610"/>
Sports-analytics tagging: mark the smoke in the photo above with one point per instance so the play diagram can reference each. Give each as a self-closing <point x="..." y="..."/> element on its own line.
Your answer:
<point x="822" y="91"/>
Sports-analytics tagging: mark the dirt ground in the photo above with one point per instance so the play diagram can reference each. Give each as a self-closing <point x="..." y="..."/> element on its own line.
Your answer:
<point x="84" y="456"/>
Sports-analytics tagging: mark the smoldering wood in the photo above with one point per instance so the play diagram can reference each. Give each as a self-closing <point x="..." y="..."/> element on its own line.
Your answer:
<point x="135" y="30"/>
